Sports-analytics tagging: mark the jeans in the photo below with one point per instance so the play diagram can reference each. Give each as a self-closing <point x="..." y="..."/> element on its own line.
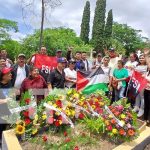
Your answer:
<point x="140" y="100"/>
<point x="119" y="93"/>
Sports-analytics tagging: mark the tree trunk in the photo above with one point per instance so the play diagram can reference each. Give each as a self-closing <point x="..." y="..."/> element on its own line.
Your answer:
<point x="42" y="24"/>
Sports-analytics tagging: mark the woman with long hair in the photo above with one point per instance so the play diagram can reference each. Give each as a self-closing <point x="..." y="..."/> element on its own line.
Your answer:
<point x="139" y="103"/>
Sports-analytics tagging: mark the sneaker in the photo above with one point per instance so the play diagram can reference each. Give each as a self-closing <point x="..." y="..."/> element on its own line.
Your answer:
<point x="140" y="113"/>
<point x="136" y="109"/>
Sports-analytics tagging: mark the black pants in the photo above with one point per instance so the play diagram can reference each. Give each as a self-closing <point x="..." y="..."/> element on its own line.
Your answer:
<point x="146" y="104"/>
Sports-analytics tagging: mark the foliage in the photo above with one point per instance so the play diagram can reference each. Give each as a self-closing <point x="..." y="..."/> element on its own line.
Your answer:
<point x="98" y="25"/>
<point x="85" y="25"/>
<point x="129" y="37"/>
<point x="108" y="29"/>
<point x="53" y="39"/>
<point x="5" y="26"/>
<point x="13" y="48"/>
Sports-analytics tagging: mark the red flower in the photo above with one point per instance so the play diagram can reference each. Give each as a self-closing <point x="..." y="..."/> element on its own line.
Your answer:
<point x="67" y="140"/>
<point x="44" y="138"/>
<point x="56" y="123"/>
<point x="65" y="133"/>
<point x="81" y="116"/>
<point x="27" y="101"/>
<point x="109" y="128"/>
<point x="26" y="113"/>
<point x="99" y="110"/>
<point x="27" y="121"/>
<point x="60" y="117"/>
<point x="76" y="148"/>
<point x="58" y="103"/>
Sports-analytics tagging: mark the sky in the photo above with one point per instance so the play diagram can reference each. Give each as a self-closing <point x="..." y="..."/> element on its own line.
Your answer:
<point x="69" y="14"/>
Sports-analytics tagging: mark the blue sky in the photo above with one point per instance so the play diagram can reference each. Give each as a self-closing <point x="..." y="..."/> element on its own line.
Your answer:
<point x="69" y="14"/>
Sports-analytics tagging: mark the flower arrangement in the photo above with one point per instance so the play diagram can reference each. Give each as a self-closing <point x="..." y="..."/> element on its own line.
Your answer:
<point x="56" y="110"/>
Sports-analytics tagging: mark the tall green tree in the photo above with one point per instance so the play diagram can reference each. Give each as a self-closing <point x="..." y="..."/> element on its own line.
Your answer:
<point x="98" y="25"/>
<point x="85" y="25"/>
<point x="108" y="29"/>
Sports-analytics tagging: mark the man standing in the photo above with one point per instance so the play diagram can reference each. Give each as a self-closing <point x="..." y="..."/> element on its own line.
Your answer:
<point x="20" y="71"/>
<point x="85" y="61"/>
<point x="79" y="63"/>
<point x="3" y="54"/>
<point x="57" y="76"/>
<point x="59" y="53"/>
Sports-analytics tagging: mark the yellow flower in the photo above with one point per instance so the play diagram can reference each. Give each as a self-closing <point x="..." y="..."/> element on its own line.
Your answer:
<point x="20" y="122"/>
<point x="55" y="105"/>
<point x="50" y="103"/>
<point x="72" y="112"/>
<point x="61" y="97"/>
<point x="81" y="103"/>
<point x="20" y="129"/>
<point x="110" y="116"/>
<point x="96" y="100"/>
<point x="76" y="95"/>
<point x="68" y="113"/>
<point x="101" y="104"/>
<point x="34" y="122"/>
<point x="114" y="131"/>
<point x="123" y="116"/>
<point x="93" y="106"/>
<point x="36" y="117"/>
<point x="69" y="92"/>
<point x="57" y="113"/>
<point x="123" y="123"/>
<point x="44" y="117"/>
<point x="60" y="122"/>
<point x="34" y="131"/>
<point x="69" y="104"/>
<point x="107" y="122"/>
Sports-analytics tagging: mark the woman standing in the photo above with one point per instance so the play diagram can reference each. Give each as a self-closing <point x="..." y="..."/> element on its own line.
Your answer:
<point x="5" y="85"/>
<point x="139" y="103"/>
<point x="34" y="82"/>
<point x="119" y="76"/>
<point x="132" y="63"/>
<point x="70" y="75"/>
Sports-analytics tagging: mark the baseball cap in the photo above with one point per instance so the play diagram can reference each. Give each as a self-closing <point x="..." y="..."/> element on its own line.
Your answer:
<point x="61" y="60"/>
<point x="58" y="51"/>
<point x="111" y="49"/>
<point x="21" y="55"/>
<point x="6" y="70"/>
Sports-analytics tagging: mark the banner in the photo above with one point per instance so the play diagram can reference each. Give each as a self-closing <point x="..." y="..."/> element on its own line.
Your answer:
<point x="45" y="63"/>
<point x="136" y="84"/>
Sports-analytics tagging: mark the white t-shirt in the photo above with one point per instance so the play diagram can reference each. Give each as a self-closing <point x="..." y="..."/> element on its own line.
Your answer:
<point x="113" y="64"/>
<point x="107" y="72"/>
<point x="70" y="74"/>
<point x="141" y="68"/>
<point x="21" y="75"/>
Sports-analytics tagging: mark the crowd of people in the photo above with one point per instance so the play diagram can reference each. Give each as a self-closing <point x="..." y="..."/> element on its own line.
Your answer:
<point x="23" y="75"/>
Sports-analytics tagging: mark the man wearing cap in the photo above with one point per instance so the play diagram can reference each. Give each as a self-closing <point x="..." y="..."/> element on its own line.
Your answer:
<point x="57" y="76"/>
<point x="98" y="61"/>
<point x="59" y="53"/>
<point x="20" y="71"/>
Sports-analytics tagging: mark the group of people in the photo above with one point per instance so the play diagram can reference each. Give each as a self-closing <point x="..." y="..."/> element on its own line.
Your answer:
<point x="24" y="75"/>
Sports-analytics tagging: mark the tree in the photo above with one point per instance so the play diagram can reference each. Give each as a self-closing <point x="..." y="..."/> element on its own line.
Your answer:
<point x="85" y="25"/>
<point x="5" y="26"/>
<point x="108" y="29"/>
<point x="98" y="25"/>
<point x="129" y="37"/>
